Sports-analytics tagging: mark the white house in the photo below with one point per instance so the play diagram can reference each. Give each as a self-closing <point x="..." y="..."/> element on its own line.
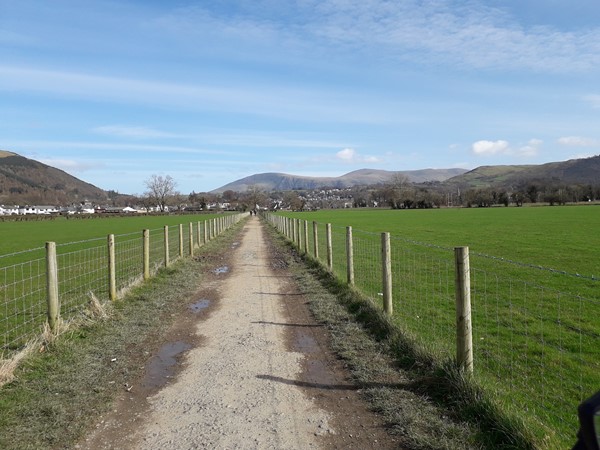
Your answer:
<point x="8" y="210"/>
<point x="39" y="209"/>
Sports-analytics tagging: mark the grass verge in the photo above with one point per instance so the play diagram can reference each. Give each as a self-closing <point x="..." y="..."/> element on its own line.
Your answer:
<point x="58" y="393"/>
<point x="425" y="401"/>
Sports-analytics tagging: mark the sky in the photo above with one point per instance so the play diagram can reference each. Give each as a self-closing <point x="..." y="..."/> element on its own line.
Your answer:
<point x="209" y="92"/>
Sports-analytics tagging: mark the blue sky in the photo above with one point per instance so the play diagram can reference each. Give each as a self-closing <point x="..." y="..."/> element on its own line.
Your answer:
<point x="212" y="91"/>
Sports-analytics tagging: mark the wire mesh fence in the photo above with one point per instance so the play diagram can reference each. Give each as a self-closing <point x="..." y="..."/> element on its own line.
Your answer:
<point x="22" y="302"/>
<point x="536" y="335"/>
<point x="83" y="274"/>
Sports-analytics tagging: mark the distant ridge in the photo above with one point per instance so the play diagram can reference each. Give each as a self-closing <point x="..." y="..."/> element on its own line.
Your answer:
<point x="284" y="182"/>
<point x="26" y="181"/>
<point x="574" y="171"/>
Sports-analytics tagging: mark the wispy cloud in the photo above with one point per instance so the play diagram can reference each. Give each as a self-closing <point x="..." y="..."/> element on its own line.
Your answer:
<point x="133" y="132"/>
<point x="593" y="100"/>
<point x="461" y="33"/>
<point x="244" y="97"/>
<point x="72" y="165"/>
<point x="466" y="34"/>
<point x="578" y="141"/>
<point x="114" y="147"/>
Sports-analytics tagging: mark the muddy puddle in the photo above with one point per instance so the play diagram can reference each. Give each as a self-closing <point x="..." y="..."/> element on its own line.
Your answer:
<point x="305" y="343"/>
<point x="221" y="270"/>
<point x="199" y="306"/>
<point x="162" y="367"/>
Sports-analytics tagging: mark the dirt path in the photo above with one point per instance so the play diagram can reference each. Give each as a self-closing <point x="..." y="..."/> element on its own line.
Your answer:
<point x="256" y="374"/>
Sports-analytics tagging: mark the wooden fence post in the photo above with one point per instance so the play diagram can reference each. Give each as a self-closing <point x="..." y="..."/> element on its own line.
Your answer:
<point x="464" y="330"/>
<point x="316" y="239"/>
<point x="198" y="236"/>
<point x="52" y="285"/>
<point x="386" y="259"/>
<point x="191" y="239"/>
<point x="350" y="256"/>
<point x="166" y="239"/>
<point x="305" y="236"/>
<point x="204" y="233"/>
<point x="181" y="240"/>
<point x="112" y="275"/>
<point x="329" y="247"/>
<point x="146" y="253"/>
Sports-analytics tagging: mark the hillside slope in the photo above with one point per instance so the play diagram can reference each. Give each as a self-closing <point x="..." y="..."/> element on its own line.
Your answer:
<point x="25" y="181"/>
<point x="574" y="171"/>
<point x="283" y="181"/>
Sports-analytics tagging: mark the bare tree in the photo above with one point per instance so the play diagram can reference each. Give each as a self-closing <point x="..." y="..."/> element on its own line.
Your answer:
<point x="161" y="189"/>
<point x="255" y="196"/>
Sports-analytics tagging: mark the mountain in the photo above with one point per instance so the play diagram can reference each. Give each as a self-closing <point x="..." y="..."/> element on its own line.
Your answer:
<point x="574" y="171"/>
<point x="26" y="181"/>
<point x="285" y="182"/>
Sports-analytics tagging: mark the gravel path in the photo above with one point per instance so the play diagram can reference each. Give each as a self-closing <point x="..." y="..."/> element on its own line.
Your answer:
<point x="246" y="383"/>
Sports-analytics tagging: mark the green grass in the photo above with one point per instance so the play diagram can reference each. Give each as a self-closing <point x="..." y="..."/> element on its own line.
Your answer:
<point x="21" y="236"/>
<point x="562" y="238"/>
<point x="536" y="333"/>
<point x="82" y="260"/>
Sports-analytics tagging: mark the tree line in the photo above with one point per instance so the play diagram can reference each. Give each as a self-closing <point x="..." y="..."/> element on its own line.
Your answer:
<point x="161" y="194"/>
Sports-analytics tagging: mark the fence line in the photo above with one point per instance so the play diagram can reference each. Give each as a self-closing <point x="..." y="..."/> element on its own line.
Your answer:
<point x="60" y="283"/>
<point x="534" y="346"/>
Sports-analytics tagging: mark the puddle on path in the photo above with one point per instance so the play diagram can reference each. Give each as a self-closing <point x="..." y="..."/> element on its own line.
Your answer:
<point x="162" y="366"/>
<point x="222" y="269"/>
<point x="235" y="244"/>
<point x="305" y="343"/>
<point x="200" y="306"/>
<point x="316" y="371"/>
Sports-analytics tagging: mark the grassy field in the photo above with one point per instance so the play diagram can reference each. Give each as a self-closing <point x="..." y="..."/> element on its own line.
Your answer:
<point x="534" y="277"/>
<point x="563" y="238"/>
<point x="20" y="236"/>
<point x="82" y="261"/>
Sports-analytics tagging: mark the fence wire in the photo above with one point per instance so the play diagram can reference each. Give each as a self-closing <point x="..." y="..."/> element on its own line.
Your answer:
<point x="22" y="303"/>
<point x="423" y="293"/>
<point x="81" y="275"/>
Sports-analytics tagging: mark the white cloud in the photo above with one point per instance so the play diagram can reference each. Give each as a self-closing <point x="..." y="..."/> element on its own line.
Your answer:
<point x="578" y="141"/>
<point x="502" y="147"/>
<point x="490" y="147"/>
<point x="347" y="155"/>
<point x="351" y="156"/>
